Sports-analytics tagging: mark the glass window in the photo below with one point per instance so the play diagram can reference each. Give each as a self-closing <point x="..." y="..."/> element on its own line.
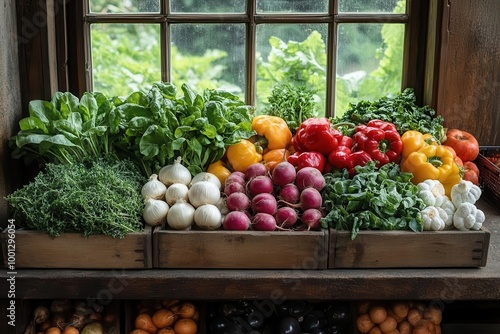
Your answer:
<point x="208" y="6"/>
<point x="124" y="6"/>
<point x="125" y="57"/>
<point x="209" y="62"/>
<point x="292" y="6"/>
<point x="376" y="6"/>
<point x="323" y="45"/>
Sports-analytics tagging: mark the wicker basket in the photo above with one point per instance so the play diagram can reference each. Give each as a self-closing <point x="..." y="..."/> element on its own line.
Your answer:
<point x="489" y="174"/>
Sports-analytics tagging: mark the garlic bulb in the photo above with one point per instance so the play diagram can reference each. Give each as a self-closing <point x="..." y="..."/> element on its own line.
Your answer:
<point x="181" y="216"/>
<point x="153" y="188"/>
<point x="176" y="192"/>
<point x="208" y="217"/>
<point x="155" y="212"/>
<point x="203" y="192"/>
<point x="175" y="173"/>
<point x="205" y="176"/>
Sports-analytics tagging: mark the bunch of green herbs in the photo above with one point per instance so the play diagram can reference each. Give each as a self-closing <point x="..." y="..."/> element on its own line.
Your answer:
<point x="97" y="196"/>
<point x="374" y="199"/>
<point x="401" y="110"/>
<point x="294" y="104"/>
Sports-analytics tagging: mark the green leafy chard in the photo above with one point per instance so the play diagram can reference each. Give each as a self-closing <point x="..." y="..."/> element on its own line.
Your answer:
<point x="376" y="199"/>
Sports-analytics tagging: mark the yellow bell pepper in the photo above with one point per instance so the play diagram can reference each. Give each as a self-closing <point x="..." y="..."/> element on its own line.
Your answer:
<point x="219" y="169"/>
<point x="274" y="129"/>
<point x="430" y="162"/>
<point x="242" y="155"/>
<point x="415" y="140"/>
<point x="452" y="179"/>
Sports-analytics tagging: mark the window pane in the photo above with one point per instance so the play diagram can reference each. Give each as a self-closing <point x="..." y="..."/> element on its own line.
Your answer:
<point x="372" y="5"/>
<point x="208" y="6"/>
<point x="292" y="6"/>
<point x="124" y="6"/>
<point x="292" y="54"/>
<point x="369" y="62"/>
<point x="125" y="57"/>
<point x="209" y="56"/>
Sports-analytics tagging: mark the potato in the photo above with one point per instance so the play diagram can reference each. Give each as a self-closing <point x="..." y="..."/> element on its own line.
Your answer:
<point x="434" y="314"/>
<point x="378" y="314"/>
<point x="93" y="328"/>
<point x="364" y="323"/>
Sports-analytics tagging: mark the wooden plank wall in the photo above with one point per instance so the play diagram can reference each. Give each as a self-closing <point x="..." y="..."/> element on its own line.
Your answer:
<point x="469" y="78"/>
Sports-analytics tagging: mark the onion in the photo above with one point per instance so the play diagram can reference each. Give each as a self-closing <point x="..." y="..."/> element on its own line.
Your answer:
<point x="284" y="173"/>
<point x="237" y="202"/>
<point x="290" y="193"/>
<point x="263" y="222"/>
<point x="264" y="203"/>
<point x="181" y="216"/>
<point x="286" y="216"/>
<point x="176" y="192"/>
<point x="203" y="192"/>
<point x="255" y="169"/>
<point x="311" y="218"/>
<point x="153" y="188"/>
<point x="155" y="212"/>
<point x="259" y="185"/>
<point x="208" y="217"/>
<point x="237" y="221"/>
<point x="222" y="206"/>
<point x="205" y="176"/>
<point x="175" y="173"/>
<point x="310" y="177"/>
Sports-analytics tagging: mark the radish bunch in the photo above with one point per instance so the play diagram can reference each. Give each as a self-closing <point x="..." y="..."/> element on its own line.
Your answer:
<point x="282" y="200"/>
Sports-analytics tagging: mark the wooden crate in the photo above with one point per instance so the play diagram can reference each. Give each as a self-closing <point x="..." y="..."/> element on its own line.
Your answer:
<point x="406" y="249"/>
<point x="36" y="249"/>
<point x="240" y="249"/>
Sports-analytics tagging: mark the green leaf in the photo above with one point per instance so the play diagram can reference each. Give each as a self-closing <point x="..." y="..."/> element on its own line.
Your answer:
<point x="189" y="94"/>
<point x="209" y="130"/>
<point x="32" y="123"/>
<point x="44" y="111"/>
<point x="88" y="107"/>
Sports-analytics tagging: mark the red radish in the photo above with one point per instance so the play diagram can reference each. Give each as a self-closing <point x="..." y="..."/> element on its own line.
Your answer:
<point x="235" y="177"/>
<point x="264" y="203"/>
<point x="290" y="193"/>
<point x="259" y="185"/>
<point x="311" y="218"/>
<point x="310" y="198"/>
<point x="286" y="216"/>
<point x="237" y="201"/>
<point x="234" y="187"/>
<point x="256" y="169"/>
<point x="263" y="222"/>
<point x="236" y="221"/>
<point x="284" y="173"/>
<point x="310" y="177"/>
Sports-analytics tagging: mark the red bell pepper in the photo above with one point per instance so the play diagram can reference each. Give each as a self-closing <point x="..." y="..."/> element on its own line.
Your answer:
<point x="380" y="140"/>
<point x="308" y="159"/>
<point x="344" y="157"/>
<point x="316" y="135"/>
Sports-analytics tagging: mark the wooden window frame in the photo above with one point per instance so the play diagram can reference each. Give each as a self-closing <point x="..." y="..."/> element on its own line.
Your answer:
<point x="73" y="71"/>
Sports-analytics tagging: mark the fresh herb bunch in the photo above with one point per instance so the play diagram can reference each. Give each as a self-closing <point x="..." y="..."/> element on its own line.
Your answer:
<point x="294" y="104"/>
<point x="401" y="110"/>
<point x="98" y="196"/>
<point x="375" y="199"/>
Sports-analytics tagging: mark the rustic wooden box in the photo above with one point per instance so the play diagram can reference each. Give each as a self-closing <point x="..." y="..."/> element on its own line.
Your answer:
<point x="240" y="249"/>
<point x="36" y="249"/>
<point x="406" y="249"/>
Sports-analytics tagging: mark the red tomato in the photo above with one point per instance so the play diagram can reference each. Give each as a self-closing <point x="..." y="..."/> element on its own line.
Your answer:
<point x="471" y="172"/>
<point x="465" y="144"/>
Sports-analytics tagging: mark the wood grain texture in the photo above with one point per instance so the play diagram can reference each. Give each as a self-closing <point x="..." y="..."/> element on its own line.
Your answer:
<point x="36" y="249"/>
<point x="240" y="249"/>
<point x="469" y="78"/>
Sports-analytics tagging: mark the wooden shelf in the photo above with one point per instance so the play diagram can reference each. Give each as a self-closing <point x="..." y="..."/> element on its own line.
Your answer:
<point x="347" y="284"/>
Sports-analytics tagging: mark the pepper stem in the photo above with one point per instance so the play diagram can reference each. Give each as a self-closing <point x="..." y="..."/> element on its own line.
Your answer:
<point x="435" y="161"/>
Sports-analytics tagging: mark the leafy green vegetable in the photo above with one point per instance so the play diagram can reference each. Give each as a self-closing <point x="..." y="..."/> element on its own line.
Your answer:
<point x="98" y="196"/>
<point x="294" y="104"/>
<point x="401" y="110"/>
<point x="377" y="199"/>
<point x="151" y="129"/>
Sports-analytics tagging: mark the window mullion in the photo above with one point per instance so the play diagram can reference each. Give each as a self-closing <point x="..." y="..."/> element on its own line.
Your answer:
<point x="331" y="65"/>
<point x="165" y="52"/>
<point x="250" y="48"/>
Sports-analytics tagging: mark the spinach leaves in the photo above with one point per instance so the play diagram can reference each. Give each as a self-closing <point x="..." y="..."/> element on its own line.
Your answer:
<point x="152" y="129"/>
<point x="380" y="199"/>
